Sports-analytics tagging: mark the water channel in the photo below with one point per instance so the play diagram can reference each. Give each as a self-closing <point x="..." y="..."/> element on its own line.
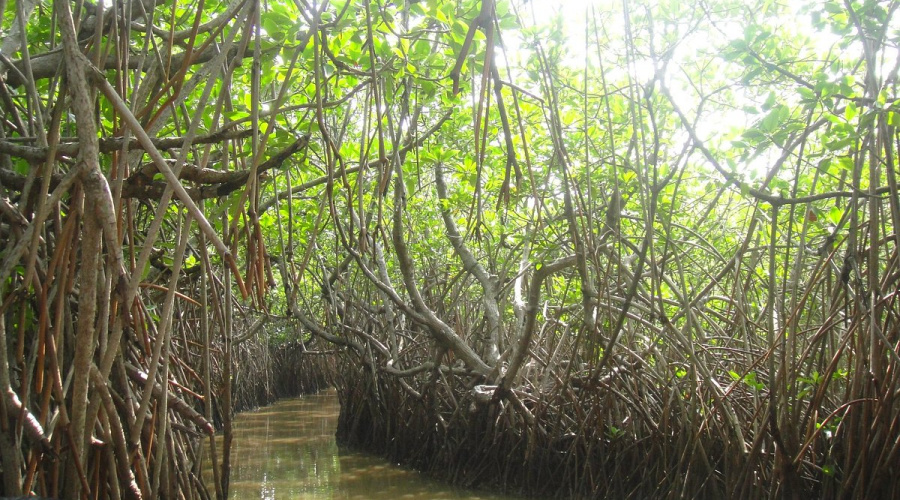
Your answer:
<point x="288" y="451"/>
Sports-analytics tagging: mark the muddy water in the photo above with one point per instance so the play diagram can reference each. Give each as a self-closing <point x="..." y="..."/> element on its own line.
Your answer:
<point x="288" y="451"/>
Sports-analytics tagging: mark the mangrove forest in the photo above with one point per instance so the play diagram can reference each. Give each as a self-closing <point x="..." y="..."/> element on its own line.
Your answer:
<point x="576" y="249"/>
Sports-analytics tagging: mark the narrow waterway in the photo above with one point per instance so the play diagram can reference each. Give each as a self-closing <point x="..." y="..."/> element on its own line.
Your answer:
<point x="288" y="451"/>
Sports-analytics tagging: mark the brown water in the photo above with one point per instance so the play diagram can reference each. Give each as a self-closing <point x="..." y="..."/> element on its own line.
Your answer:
<point x="288" y="451"/>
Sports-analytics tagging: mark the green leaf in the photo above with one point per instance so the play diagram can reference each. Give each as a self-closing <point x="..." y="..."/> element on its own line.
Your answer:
<point x="840" y="143"/>
<point x="835" y="214"/>
<point x="851" y="111"/>
<point x="833" y="8"/>
<point x="893" y="118"/>
<point x="808" y="95"/>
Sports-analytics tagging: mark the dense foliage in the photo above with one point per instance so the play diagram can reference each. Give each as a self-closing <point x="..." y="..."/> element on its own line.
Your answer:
<point x="631" y="250"/>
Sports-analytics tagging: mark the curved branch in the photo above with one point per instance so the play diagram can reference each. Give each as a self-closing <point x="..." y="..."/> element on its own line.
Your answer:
<point x="472" y="266"/>
<point x="113" y="144"/>
<point x="47" y="65"/>
<point x="534" y="296"/>
<point x="440" y="331"/>
<point x="141" y="184"/>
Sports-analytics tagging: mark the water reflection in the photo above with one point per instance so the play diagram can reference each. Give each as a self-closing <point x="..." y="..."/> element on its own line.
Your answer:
<point x="288" y="451"/>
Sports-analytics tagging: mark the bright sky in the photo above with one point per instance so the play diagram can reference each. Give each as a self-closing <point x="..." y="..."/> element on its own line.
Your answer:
<point x="610" y="19"/>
